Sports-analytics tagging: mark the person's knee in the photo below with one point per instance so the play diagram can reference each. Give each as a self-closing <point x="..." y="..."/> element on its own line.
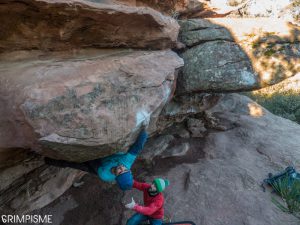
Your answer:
<point x="156" y="222"/>
<point x="132" y="221"/>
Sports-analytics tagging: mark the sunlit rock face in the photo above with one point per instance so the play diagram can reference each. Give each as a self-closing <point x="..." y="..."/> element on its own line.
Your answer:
<point x="63" y="25"/>
<point x="80" y="107"/>
<point x="271" y="44"/>
<point x="213" y="61"/>
<point x="287" y="10"/>
<point x="237" y="54"/>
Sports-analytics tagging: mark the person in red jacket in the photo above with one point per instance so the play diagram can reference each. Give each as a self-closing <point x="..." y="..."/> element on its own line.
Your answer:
<point x="153" y="209"/>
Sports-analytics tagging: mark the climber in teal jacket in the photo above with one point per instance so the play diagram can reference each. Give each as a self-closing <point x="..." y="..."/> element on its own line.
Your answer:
<point x="113" y="168"/>
<point x="117" y="166"/>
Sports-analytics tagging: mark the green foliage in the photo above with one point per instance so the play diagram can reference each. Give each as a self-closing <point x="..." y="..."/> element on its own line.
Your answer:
<point x="296" y="3"/>
<point x="255" y="44"/>
<point x="269" y="52"/>
<point x="290" y="195"/>
<point x="285" y="104"/>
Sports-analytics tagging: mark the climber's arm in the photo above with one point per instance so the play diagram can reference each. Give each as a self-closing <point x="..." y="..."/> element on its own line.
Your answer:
<point x="148" y="210"/>
<point x="140" y="186"/>
<point x="138" y="145"/>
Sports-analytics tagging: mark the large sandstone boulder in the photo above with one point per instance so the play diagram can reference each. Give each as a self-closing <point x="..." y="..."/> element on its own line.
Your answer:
<point x="72" y="24"/>
<point x="83" y="106"/>
<point x="216" y="182"/>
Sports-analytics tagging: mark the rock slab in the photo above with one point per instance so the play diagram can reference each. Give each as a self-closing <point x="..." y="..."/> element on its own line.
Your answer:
<point x="84" y="106"/>
<point x="71" y="24"/>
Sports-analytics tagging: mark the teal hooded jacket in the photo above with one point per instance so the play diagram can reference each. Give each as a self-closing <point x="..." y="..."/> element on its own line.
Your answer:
<point x="126" y="159"/>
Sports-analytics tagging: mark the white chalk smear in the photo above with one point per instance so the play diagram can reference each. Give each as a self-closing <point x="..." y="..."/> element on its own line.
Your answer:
<point x="142" y="116"/>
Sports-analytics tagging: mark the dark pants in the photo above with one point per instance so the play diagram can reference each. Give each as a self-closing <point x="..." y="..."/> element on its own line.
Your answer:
<point x="138" y="218"/>
<point x="89" y="166"/>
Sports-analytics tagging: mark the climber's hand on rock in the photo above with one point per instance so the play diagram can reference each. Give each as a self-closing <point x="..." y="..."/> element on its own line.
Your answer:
<point x="131" y="204"/>
<point x="146" y="120"/>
